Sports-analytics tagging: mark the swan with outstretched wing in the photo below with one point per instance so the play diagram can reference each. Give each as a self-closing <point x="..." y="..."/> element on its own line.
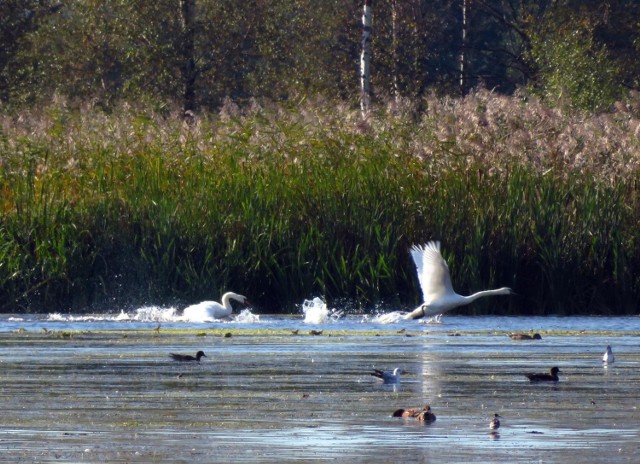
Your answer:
<point x="435" y="282"/>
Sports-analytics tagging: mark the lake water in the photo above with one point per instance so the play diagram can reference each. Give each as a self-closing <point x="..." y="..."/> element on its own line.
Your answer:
<point x="103" y="389"/>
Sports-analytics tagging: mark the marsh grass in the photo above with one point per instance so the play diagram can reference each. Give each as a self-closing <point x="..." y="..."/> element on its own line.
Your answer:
<point x="283" y="204"/>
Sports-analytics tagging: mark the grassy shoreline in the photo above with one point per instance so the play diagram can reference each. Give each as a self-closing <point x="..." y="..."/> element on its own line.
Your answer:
<point x="281" y="205"/>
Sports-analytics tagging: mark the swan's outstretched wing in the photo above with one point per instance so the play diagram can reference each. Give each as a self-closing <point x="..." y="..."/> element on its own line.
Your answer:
<point x="433" y="273"/>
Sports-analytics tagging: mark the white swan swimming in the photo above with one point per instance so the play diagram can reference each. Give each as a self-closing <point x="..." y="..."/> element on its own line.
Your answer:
<point x="207" y="311"/>
<point x="437" y="291"/>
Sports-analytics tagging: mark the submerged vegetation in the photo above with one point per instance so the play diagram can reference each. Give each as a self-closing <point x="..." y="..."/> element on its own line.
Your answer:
<point x="285" y="203"/>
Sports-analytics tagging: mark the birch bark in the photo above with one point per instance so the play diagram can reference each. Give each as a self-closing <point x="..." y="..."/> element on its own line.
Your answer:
<point x="365" y="57"/>
<point x="463" y="46"/>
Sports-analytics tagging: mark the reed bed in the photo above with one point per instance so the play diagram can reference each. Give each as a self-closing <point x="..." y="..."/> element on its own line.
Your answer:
<point x="286" y="203"/>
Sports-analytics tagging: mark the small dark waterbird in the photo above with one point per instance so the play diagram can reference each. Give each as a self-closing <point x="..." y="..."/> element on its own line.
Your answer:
<point x="552" y="376"/>
<point x="523" y="336"/>
<point x="187" y="357"/>
<point x="495" y="422"/>
<point x="420" y="414"/>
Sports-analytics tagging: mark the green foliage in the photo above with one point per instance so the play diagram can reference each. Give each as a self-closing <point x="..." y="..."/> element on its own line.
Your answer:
<point x="573" y="70"/>
<point x="141" y="50"/>
<point x="285" y="204"/>
<point x="106" y="52"/>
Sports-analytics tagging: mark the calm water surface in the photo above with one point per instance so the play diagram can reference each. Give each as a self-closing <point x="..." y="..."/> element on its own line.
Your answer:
<point x="103" y="389"/>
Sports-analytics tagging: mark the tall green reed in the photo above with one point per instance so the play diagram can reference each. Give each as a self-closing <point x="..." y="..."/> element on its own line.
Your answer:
<point x="283" y="205"/>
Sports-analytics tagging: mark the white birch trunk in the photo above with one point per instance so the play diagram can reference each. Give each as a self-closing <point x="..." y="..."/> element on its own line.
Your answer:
<point x="365" y="57"/>
<point x="395" y="45"/>
<point x="463" y="47"/>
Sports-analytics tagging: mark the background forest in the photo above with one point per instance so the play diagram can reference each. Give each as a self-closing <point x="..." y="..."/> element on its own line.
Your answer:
<point x="169" y="150"/>
<point x="201" y="52"/>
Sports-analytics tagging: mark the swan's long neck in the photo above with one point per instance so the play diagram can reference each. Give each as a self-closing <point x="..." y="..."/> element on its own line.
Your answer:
<point x="227" y="297"/>
<point x="499" y="291"/>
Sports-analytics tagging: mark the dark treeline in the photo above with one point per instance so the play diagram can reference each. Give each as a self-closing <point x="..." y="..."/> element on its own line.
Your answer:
<point x="200" y="52"/>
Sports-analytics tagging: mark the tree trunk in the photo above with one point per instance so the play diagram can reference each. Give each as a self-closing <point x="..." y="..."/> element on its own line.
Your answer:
<point x="395" y="45"/>
<point x="365" y="57"/>
<point x="189" y="72"/>
<point x="463" y="47"/>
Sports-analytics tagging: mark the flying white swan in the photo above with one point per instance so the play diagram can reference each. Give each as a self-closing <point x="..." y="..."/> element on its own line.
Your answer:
<point x="207" y="311"/>
<point x="437" y="291"/>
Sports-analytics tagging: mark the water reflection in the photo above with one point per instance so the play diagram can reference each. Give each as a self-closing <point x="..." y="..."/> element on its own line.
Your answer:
<point x="114" y="395"/>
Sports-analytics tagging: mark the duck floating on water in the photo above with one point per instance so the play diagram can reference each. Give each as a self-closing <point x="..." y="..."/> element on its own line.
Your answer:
<point x="523" y="336"/>
<point x="552" y="376"/>
<point x="187" y="357"/>
<point x="420" y="414"/>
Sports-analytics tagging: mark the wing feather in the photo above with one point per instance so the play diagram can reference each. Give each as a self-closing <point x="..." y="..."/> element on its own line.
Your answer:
<point x="433" y="273"/>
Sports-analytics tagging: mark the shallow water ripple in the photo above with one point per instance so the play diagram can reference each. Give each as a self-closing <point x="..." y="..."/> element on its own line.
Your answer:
<point x="115" y="396"/>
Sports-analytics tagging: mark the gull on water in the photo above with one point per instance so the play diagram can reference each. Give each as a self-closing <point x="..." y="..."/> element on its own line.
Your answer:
<point x="607" y="357"/>
<point x="435" y="282"/>
<point x="388" y="377"/>
<point x="207" y="311"/>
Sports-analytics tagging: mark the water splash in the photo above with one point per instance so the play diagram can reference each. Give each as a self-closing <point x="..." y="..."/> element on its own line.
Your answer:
<point x="398" y="316"/>
<point x="154" y="314"/>
<point x="316" y="312"/>
<point x="57" y="317"/>
<point x="389" y="318"/>
<point x="144" y="314"/>
<point x="247" y="317"/>
<point x="437" y="319"/>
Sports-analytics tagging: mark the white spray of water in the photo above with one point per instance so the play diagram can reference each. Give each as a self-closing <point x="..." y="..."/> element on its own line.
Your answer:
<point x="145" y="314"/>
<point x="398" y="316"/>
<point x="316" y="312"/>
<point x="247" y="317"/>
<point x="154" y="314"/>
<point x="389" y="318"/>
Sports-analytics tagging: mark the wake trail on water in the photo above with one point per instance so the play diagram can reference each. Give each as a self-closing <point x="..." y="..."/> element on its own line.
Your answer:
<point x="314" y="311"/>
<point x="146" y="314"/>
